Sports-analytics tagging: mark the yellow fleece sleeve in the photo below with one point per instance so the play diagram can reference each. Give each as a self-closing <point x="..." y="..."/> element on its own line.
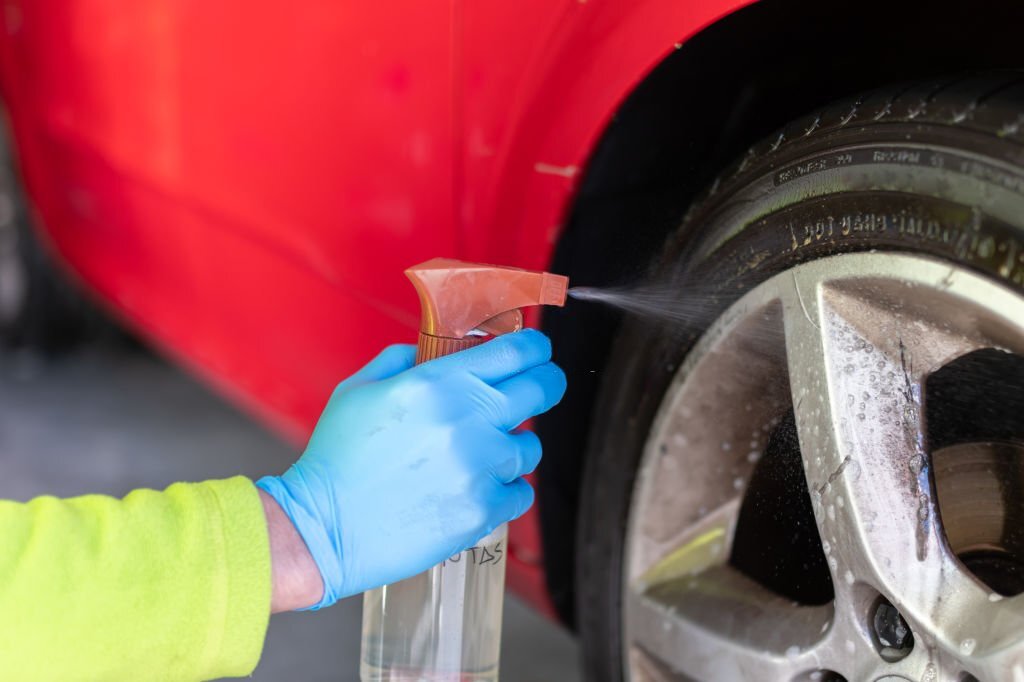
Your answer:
<point x="171" y="585"/>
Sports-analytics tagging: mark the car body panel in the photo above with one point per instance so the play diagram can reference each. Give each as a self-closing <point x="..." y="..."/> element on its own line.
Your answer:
<point x="245" y="183"/>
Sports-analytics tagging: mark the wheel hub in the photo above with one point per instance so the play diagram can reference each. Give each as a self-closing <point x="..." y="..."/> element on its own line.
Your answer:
<point x="978" y="515"/>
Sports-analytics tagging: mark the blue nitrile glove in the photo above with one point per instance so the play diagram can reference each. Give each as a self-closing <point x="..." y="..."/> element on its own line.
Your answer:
<point x="408" y="467"/>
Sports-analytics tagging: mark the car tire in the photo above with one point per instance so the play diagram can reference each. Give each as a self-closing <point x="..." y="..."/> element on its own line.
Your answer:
<point x="925" y="169"/>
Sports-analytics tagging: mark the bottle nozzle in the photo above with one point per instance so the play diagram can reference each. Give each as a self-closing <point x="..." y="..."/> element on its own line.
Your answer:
<point x="458" y="298"/>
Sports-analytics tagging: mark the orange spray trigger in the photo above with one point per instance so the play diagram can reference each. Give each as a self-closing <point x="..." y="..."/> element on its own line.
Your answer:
<point x="463" y="303"/>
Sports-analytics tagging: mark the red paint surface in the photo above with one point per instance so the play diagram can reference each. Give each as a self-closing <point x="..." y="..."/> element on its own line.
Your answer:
<point x="244" y="183"/>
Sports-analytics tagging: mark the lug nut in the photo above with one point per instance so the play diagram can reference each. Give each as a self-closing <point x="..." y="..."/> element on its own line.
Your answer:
<point x="892" y="634"/>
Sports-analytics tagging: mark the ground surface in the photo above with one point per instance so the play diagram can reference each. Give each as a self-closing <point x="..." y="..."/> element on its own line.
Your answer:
<point x="108" y="418"/>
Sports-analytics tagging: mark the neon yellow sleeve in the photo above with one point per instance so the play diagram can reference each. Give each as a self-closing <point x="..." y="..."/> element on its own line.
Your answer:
<point x="171" y="585"/>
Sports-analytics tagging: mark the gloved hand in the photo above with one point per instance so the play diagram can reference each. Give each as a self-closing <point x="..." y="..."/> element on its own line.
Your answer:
<point x="411" y="465"/>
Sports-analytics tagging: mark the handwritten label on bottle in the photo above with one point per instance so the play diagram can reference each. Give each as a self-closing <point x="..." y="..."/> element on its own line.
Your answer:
<point x="479" y="556"/>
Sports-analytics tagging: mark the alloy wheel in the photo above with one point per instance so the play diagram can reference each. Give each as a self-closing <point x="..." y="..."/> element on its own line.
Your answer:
<point x="900" y="569"/>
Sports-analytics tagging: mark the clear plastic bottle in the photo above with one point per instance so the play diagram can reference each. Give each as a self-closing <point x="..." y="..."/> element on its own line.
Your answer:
<point x="443" y="625"/>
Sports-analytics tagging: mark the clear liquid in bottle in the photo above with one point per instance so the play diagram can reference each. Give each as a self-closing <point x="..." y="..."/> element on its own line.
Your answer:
<point x="443" y="625"/>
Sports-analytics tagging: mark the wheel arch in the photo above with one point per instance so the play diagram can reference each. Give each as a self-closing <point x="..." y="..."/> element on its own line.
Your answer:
<point x="772" y="62"/>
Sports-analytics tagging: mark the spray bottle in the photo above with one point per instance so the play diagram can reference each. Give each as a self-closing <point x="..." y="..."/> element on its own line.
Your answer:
<point x="444" y="625"/>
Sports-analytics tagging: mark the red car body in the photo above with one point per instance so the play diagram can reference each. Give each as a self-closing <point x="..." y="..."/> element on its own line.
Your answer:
<point x="245" y="183"/>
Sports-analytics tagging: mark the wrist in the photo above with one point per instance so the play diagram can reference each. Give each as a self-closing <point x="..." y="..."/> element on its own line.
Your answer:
<point x="295" y="578"/>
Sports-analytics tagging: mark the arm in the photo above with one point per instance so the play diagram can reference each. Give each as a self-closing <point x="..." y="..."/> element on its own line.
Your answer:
<point x="76" y="606"/>
<point x="173" y="583"/>
<point x="295" y="578"/>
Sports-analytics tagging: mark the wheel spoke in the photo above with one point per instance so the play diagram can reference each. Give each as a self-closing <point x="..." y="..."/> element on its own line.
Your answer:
<point x="721" y="625"/>
<point x="857" y="371"/>
<point x="705" y="544"/>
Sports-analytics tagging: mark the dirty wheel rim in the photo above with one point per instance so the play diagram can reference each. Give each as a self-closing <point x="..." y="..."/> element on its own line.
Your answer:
<point x="847" y="344"/>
